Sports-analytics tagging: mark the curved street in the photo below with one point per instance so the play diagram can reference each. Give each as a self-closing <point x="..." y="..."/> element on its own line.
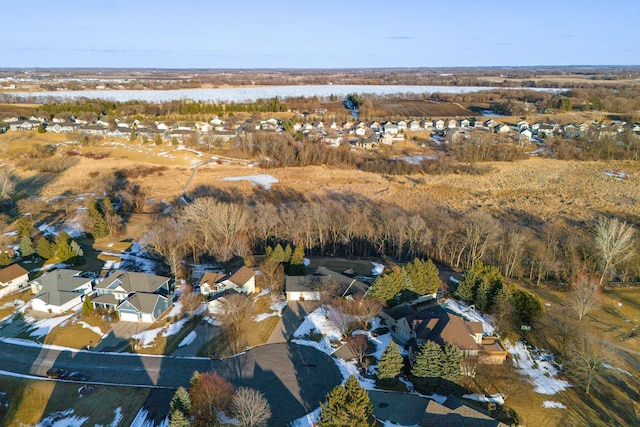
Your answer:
<point x="294" y="378"/>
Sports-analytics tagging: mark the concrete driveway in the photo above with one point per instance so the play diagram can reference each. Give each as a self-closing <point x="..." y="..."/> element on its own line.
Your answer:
<point x="292" y="317"/>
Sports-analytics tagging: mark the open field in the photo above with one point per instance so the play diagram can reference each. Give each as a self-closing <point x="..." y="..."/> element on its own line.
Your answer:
<point x="417" y="108"/>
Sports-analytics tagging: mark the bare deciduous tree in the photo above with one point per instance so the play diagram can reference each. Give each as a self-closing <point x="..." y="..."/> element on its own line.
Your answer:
<point x="367" y="308"/>
<point x="250" y="407"/>
<point x="7" y="184"/>
<point x="615" y="240"/>
<point x="190" y="300"/>
<point x="235" y="317"/>
<point x="585" y="358"/>
<point x="584" y="295"/>
<point x="209" y="393"/>
<point x="273" y="276"/>
<point x="358" y="344"/>
<point x="167" y="240"/>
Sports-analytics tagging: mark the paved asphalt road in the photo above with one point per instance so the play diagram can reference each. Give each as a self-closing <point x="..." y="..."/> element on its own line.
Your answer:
<point x="294" y="378"/>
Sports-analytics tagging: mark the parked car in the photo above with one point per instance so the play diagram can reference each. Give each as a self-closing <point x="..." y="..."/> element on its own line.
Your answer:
<point x="78" y="376"/>
<point x="57" y="373"/>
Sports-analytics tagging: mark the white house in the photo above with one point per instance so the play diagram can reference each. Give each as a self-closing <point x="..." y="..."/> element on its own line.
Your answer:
<point x="242" y="280"/>
<point x="438" y="124"/>
<point x="12" y="278"/>
<point x="310" y="287"/>
<point x="59" y="290"/>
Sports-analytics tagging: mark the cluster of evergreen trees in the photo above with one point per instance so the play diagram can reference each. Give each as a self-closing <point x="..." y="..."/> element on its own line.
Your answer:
<point x="292" y="259"/>
<point x="415" y="279"/>
<point x="63" y="248"/>
<point x="102" y="218"/>
<point x="347" y="406"/>
<point x="436" y="366"/>
<point x="484" y="286"/>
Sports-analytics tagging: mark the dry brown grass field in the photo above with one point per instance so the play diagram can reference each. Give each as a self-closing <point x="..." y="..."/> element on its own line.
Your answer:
<point x="417" y="108"/>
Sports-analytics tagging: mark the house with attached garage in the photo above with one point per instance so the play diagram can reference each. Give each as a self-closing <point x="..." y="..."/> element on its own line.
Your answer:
<point x="412" y="327"/>
<point x="136" y="297"/>
<point x="60" y="290"/>
<point x="242" y="280"/>
<point x="12" y="279"/>
<point x="311" y="286"/>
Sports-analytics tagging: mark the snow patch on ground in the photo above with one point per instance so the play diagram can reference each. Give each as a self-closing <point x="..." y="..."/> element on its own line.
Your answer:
<point x="306" y="262"/>
<point x="95" y="329"/>
<point x="416" y="160"/>
<point x="262" y="316"/>
<point x="147" y="337"/>
<point x="607" y="366"/>
<point x="262" y="180"/>
<point x="278" y="306"/>
<point x="552" y="404"/>
<point x="453" y="280"/>
<point x="225" y="420"/>
<point x="541" y="372"/>
<point x="494" y="398"/>
<point x="188" y="339"/>
<point x="141" y="420"/>
<point x="62" y="419"/>
<point x="44" y="326"/>
<point x="309" y="420"/>
<point x="318" y="321"/>
<point x="117" y="417"/>
<point x="470" y="314"/>
<point x="377" y="268"/>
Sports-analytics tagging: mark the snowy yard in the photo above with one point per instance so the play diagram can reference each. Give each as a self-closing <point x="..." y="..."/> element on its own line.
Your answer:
<point x="539" y="370"/>
<point x="263" y="180"/>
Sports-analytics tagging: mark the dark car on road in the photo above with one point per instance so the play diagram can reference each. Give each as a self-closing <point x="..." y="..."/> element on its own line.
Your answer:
<point x="78" y="376"/>
<point x="57" y="373"/>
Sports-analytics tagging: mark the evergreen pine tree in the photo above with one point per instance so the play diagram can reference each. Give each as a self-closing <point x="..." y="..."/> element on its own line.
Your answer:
<point x="427" y="364"/>
<point x="62" y="247"/>
<point x="296" y="267"/>
<point x="387" y="287"/>
<point x="288" y="251"/>
<point x="466" y="290"/>
<point x="181" y="401"/>
<point x="268" y="251"/>
<point x="26" y="247"/>
<point x="347" y="406"/>
<point x="5" y="258"/>
<point x="45" y="248"/>
<point x="390" y="365"/>
<point x="24" y="227"/>
<point x="451" y="359"/>
<point x="178" y="419"/>
<point x="483" y="296"/>
<point x="278" y="253"/>
<point x="76" y="249"/>
<point x="97" y="225"/>
<point x="87" y="305"/>
<point x="432" y="281"/>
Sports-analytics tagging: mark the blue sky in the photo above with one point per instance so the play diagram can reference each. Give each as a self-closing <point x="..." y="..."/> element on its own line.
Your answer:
<point x="318" y="34"/>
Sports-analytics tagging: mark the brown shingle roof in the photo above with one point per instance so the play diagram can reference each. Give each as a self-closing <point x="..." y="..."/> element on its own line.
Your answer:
<point x="211" y="278"/>
<point x="241" y="276"/>
<point x="11" y="272"/>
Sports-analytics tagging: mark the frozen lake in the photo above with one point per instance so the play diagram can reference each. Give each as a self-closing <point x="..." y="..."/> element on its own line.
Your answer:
<point x="241" y="94"/>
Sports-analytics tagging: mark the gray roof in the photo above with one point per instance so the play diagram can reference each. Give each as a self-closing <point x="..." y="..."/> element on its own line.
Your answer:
<point x="58" y="287"/>
<point x="61" y="280"/>
<point x="133" y="282"/>
<point x="311" y="282"/>
<point x="144" y="303"/>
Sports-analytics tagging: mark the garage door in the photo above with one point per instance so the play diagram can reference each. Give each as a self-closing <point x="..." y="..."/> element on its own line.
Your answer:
<point x="129" y="317"/>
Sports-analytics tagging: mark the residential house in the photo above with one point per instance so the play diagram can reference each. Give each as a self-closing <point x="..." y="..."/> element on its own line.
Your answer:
<point x="414" y="126"/>
<point x="311" y="286"/>
<point x="223" y="135"/>
<point x="136" y="297"/>
<point x="502" y="128"/>
<point x="365" y="143"/>
<point x="360" y="131"/>
<point x="12" y="279"/>
<point x="464" y="123"/>
<point x="217" y="121"/>
<point x="438" y="124"/>
<point x="413" y="327"/>
<point x="426" y="124"/>
<point x="182" y="135"/>
<point x="490" y="124"/>
<point x="92" y="130"/>
<point x="526" y="135"/>
<point x="522" y="124"/>
<point x="60" y="290"/>
<point x="390" y="128"/>
<point x="62" y="127"/>
<point x="375" y="126"/>
<point x="402" y="126"/>
<point x="547" y="131"/>
<point x="242" y="280"/>
<point x="452" y="124"/>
